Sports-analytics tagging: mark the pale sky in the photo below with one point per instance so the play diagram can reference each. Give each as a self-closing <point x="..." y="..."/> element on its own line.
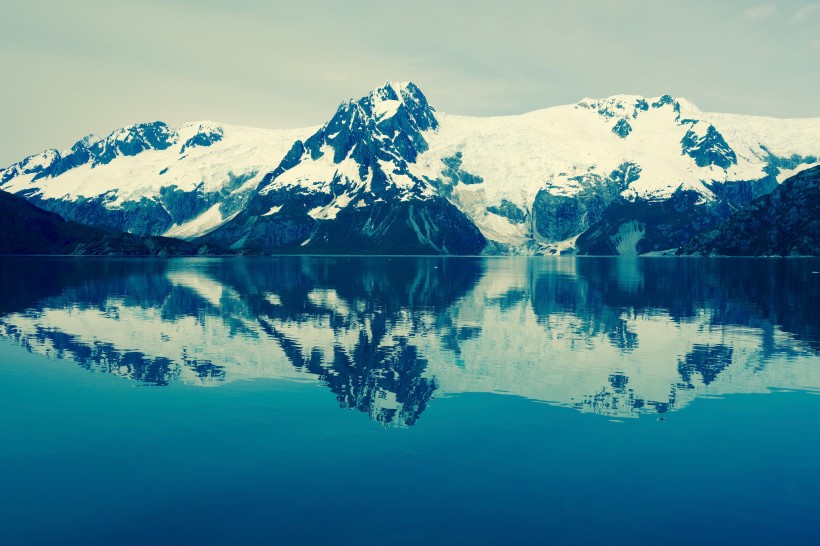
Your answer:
<point x="69" y="68"/>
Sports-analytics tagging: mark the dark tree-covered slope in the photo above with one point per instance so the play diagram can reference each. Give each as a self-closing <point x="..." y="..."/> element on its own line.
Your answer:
<point x="785" y="222"/>
<point x="26" y="229"/>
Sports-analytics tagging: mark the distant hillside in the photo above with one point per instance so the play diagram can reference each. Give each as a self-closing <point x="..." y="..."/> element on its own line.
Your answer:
<point x="26" y="229"/>
<point x="785" y="222"/>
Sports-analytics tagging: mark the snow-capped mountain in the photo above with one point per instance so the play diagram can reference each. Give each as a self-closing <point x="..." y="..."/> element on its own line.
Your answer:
<point x="549" y="175"/>
<point x="387" y="173"/>
<point x="151" y="179"/>
<point x="352" y="187"/>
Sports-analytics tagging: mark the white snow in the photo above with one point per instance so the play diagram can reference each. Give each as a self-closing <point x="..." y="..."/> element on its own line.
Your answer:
<point x="242" y="152"/>
<point x="385" y="108"/>
<point x="273" y="210"/>
<point x="329" y="211"/>
<point x="516" y="156"/>
<point x="202" y="224"/>
<point x="507" y="355"/>
<point x="628" y="237"/>
<point x="316" y="174"/>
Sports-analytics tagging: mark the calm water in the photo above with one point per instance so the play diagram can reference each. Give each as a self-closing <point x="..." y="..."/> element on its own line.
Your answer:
<point x="409" y="401"/>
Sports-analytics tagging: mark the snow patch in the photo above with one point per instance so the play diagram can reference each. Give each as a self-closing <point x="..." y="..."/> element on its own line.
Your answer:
<point x="202" y="224"/>
<point x="329" y="212"/>
<point x="628" y="236"/>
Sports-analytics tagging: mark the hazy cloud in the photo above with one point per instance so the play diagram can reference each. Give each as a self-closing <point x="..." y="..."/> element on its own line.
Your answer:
<point x="806" y="12"/>
<point x="759" y="12"/>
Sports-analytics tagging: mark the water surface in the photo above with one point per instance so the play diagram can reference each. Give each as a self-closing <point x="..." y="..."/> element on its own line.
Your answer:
<point x="407" y="400"/>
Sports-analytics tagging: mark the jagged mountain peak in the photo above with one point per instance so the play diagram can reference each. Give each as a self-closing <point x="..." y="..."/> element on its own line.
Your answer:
<point x="91" y="149"/>
<point x="34" y="164"/>
<point x="136" y="129"/>
<point x="622" y="110"/>
<point x="391" y="107"/>
<point x="351" y="185"/>
<point x="627" y="104"/>
<point x="631" y="106"/>
<point x="155" y="134"/>
<point x="199" y="133"/>
<point x="192" y="128"/>
<point x="393" y="91"/>
<point x="126" y="141"/>
<point x="87" y="141"/>
<point x="371" y="141"/>
<point x="385" y="101"/>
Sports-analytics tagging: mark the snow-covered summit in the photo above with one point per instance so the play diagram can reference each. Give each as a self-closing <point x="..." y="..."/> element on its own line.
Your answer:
<point x="525" y="181"/>
<point x="630" y="106"/>
<point x="386" y="100"/>
<point x="366" y="147"/>
<point x="203" y="133"/>
<point x="554" y="170"/>
<point x="87" y="141"/>
<point x="151" y="178"/>
<point x="622" y="109"/>
<point x="352" y="186"/>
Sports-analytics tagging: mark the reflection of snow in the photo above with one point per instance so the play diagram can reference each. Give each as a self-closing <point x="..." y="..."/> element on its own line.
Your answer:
<point x="515" y="332"/>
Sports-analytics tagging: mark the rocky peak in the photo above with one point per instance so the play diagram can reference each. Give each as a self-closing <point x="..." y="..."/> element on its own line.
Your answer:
<point x="200" y="134"/>
<point x="392" y="116"/>
<point x="132" y="140"/>
<point x="619" y="110"/>
<point x="86" y="142"/>
<point x="378" y="135"/>
<point x="393" y="97"/>
<point x="128" y="141"/>
<point x="37" y="164"/>
<point x="616" y="106"/>
<point x="703" y="143"/>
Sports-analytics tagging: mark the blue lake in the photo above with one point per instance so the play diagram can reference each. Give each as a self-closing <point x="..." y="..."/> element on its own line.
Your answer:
<point x="341" y="400"/>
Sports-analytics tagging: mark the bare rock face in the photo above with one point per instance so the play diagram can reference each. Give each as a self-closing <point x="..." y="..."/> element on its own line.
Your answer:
<point x="785" y="222"/>
<point x="26" y="229"/>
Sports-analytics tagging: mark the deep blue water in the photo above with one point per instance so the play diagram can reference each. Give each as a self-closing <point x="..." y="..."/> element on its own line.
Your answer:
<point x="409" y="401"/>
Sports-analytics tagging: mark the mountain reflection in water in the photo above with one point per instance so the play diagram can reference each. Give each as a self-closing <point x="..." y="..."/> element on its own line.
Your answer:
<point x="617" y="337"/>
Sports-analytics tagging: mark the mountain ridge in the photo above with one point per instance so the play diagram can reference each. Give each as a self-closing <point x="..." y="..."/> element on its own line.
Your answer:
<point x="388" y="173"/>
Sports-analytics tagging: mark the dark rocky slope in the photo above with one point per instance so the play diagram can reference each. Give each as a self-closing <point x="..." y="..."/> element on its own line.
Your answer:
<point x="785" y="222"/>
<point x="642" y="226"/>
<point x="26" y="229"/>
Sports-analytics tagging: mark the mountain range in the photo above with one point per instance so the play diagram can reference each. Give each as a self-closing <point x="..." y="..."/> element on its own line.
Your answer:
<point x="388" y="174"/>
